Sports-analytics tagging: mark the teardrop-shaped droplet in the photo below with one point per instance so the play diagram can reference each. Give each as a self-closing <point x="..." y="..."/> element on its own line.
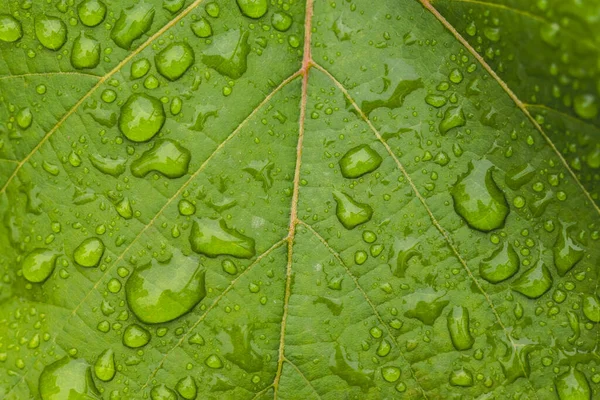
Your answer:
<point x="228" y="53"/>
<point x="253" y="8"/>
<point x="91" y="12"/>
<point x="107" y="165"/>
<point x="591" y="307"/>
<point x="105" y="366"/>
<point x="214" y="238"/>
<point x="567" y="253"/>
<point x="39" y="265"/>
<point x="500" y="265"/>
<point x="135" y="336"/>
<point x="51" y="32"/>
<point x="161" y="392"/>
<point x="458" y="326"/>
<point x="174" y="60"/>
<point x="24" y="118"/>
<point x="202" y="28"/>
<point x="167" y="157"/>
<point x="89" y="252"/>
<point x="85" y="52"/>
<point x="10" y="28"/>
<point x="139" y="68"/>
<point x="478" y="199"/>
<point x="132" y="24"/>
<point x="359" y="161"/>
<point x="573" y="385"/>
<point x="350" y="212"/>
<point x="186" y="387"/>
<point x="161" y="292"/>
<point x="534" y="282"/>
<point x="124" y="209"/>
<point x="67" y="379"/>
<point x="454" y="117"/>
<point x="213" y="361"/>
<point x="142" y="117"/>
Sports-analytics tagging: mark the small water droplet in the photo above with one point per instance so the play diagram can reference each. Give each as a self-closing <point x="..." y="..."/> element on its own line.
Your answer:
<point x="228" y="53"/>
<point x="85" y="52"/>
<point x="281" y="21"/>
<point x="567" y="253"/>
<point x="67" y="379"/>
<point x="161" y="392"/>
<point x="458" y="326"/>
<point x="213" y="361"/>
<point x="454" y="117"/>
<point x="500" y="265"/>
<point x="573" y="385"/>
<point x="186" y="387"/>
<point x="534" y="282"/>
<point x="202" y="28"/>
<point x="135" y="336"/>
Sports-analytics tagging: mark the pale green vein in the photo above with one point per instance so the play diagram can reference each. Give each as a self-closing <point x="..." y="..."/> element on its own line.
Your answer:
<point x="304" y="378"/>
<point x="49" y="74"/>
<point x="561" y="113"/>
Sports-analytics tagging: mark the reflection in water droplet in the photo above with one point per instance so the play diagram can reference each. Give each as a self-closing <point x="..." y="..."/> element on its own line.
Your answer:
<point x="89" y="252"/>
<point x="67" y="379"/>
<point x="167" y="157"/>
<point x="161" y="392"/>
<point x="500" y="265"/>
<point x="139" y="68"/>
<point x="174" y="60"/>
<point x="350" y="212"/>
<point x="458" y="326"/>
<point x="213" y="238"/>
<point x="520" y="175"/>
<point x="85" y="52"/>
<point x="38" y="265"/>
<point x="454" y="117"/>
<point x="105" y="366"/>
<point x="573" y="385"/>
<point x="426" y="305"/>
<point x="281" y="21"/>
<point x="10" y="29"/>
<point x="591" y="307"/>
<point x="461" y="377"/>
<point x="51" y="32"/>
<point x="132" y="24"/>
<point x="213" y="361"/>
<point x="142" y="117"/>
<point x="202" y="28"/>
<point x="24" y="118"/>
<point x="350" y="370"/>
<point x="253" y="8"/>
<point x="228" y="53"/>
<point x="135" y="336"/>
<point x="186" y="387"/>
<point x="567" y="253"/>
<point x="478" y="199"/>
<point x="91" y="12"/>
<point x="107" y="165"/>
<point x="359" y="161"/>
<point x="534" y="282"/>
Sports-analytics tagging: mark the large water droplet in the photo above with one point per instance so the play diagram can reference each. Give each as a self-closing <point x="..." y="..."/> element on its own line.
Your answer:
<point x="478" y="199"/>
<point x="85" y="52"/>
<point x="105" y="366"/>
<point x="67" y="379"/>
<point x="359" y="161"/>
<point x="426" y="306"/>
<point x="253" y="8"/>
<point x="591" y="307"/>
<point x="142" y="117"/>
<point x="51" y="32"/>
<point x="166" y="157"/>
<point x="281" y="21"/>
<point x="350" y="212"/>
<point x="461" y="377"/>
<point x="107" y="165"/>
<point x="213" y="361"/>
<point x="174" y="60"/>
<point x="132" y="24"/>
<point x="454" y="117"/>
<point x="161" y="292"/>
<point x="458" y="326"/>
<point x="534" y="282"/>
<point x="214" y="238"/>
<point x="228" y="53"/>
<point x="91" y="12"/>
<point x="39" y="265"/>
<point x="89" y="252"/>
<point x="135" y="336"/>
<point x="173" y="5"/>
<point x="573" y="385"/>
<point x="500" y="265"/>
<point x="566" y="251"/>
<point x="202" y="28"/>
<point x="186" y="387"/>
<point x="24" y="118"/>
<point x="242" y="350"/>
<point x="520" y="175"/>
<point x="161" y="392"/>
<point x="10" y="29"/>
<point x="586" y="106"/>
<point x="349" y="370"/>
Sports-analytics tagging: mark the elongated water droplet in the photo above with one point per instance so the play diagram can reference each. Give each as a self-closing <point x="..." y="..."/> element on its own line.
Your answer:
<point x="39" y="265"/>
<point x="132" y="24"/>
<point x="426" y="306"/>
<point x="253" y="8"/>
<point x="135" y="336"/>
<point x="107" y="165"/>
<point x="51" y="32"/>
<point x="228" y="53"/>
<point x="142" y="117"/>
<point x="350" y="212"/>
<point x="10" y="29"/>
<point x="89" y="252"/>
<point x="520" y="175"/>
<point x="161" y="392"/>
<point x="359" y="161"/>
<point x="458" y="326"/>
<point x="454" y="117"/>
<point x="591" y="307"/>
<point x="24" y="118"/>
<point x="214" y="238"/>
<point x="85" y="52"/>
<point x="186" y="387"/>
<point x="500" y="265"/>
<point x="124" y="209"/>
<point x="174" y="60"/>
<point x="573" y="385"/>
<point x="350" y="370"/>
<point x="534" y="282"/>
<point x="105" y="366"/>
<point x="161" y="292"/>
<point x="67" y="379"/>
<point x="91" y="12"/>
<point x="567" y="253"/>
<point x="478" y="199"/>
<point x="166" y="157"/>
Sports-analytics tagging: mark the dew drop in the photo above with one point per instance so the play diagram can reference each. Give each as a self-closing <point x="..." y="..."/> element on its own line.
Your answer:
<point x="167" y="157"/>
<point x="281" y="21"/>
<point x="132" y="24"/>
<point x="24" y="118"/>
<point x="591" y="307"/>
<point x="573" y="385"/>
<point x="213" y="238"/>
<point x="202" y="28"/>
<point x="454" y="117"/>
<point x="186" y="387"/>
<point x="253" y="8"/>
<point x="142" y="117"/>
<point x="51" y="32"/>
<point x="105" y="366"/>
<point x="350" y="212"/>
<point x="135" y="336"/>
<point x="89" y="252"/>
<point x="174" y="60"/>
<point x="228" y="53"/>
<point x="10" y="29"/>
<point x="67" y="379"/>
<point x="91" y="12"/>
<point x="534" y="282"/>
<point x="139" y="68"/>
<point x="213" y="361"/>
<point x="567" y="253"/>
<point x="359" y="161"/>
<point x="500" y="265"/>
<point x="38" y="265"/>
<point x="161" y="392"/>
<point x="85" y="52"/>
<point x="458" y="326"/>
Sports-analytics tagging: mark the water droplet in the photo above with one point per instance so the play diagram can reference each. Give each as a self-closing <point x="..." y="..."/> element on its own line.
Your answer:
<point x="229" y="267"/>
<point x="435" y="100"/>
<point x="212" y="9"/>
<point x="534" y="282"/>
<point x="174" y="60"/>
<point x="478" y="199"/>
<point x="573" y="385"/>
<point x="10" y="29"/>
<point x="135" y="336"/>
<point x="24" y="118"/>
<point x="107" y="165"/>
<point x="253" y="8"/>
<point x="166" y="157"/>
<point x="390" y="374"/>
<point x="186" y="208"/>
<point x="500" y="265"/>
<point x="51" y="32"/>
<point x="520" y="175"/>
<point x="139" y="68"/>
<point x="132" y="24"/>
<point x="350" y="212"/>
<point x="213" y="238"/>
<point x="173" y="5"/>
<point x="454" y="117"/>
<point x="85" y="52"/>
<point x="142" y="117"/>
<point x="202" y="28"/>
<point x="359" y="161"/>
<point x="89" y="252"/>
<point x="458" y="326"/>
<point x="591" y="307"/>
<point x="281" y="21"/>
<point x="105" y="366"/>
<point x="91" y="12"/>
<point x="228" y="53"/>
<point x="186" y="387"/>
<point x="161" y="392"/>
<point x="124" y="209"/>
<point x="161" y="292"/>
<point x="39" y="265"/>
<point x="586" y="106"/>
<point x="67" y="379"/>
<point x="426" y="306"/>
<point x="349" y="370"/>
<point x="461" y="378"/>
<point x="213" y="361"/>
<point x="567" y="252"/>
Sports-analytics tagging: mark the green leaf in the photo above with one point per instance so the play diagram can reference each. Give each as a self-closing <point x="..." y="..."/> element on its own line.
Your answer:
<point x="295" y="199"/>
